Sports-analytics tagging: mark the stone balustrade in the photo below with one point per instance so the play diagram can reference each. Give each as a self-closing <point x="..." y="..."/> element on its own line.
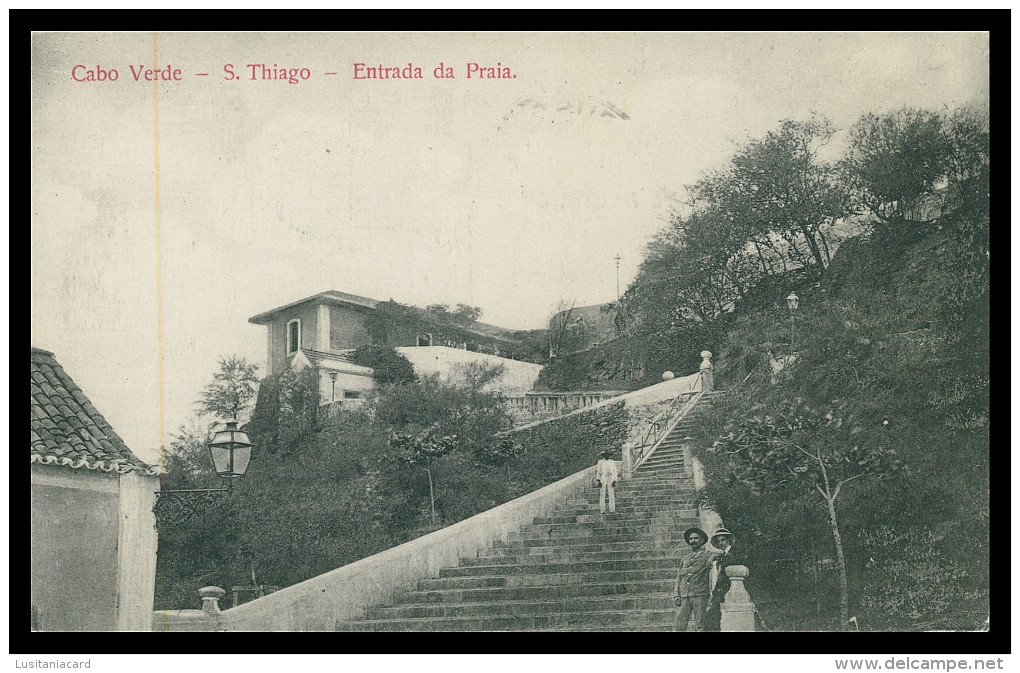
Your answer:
<point x="534" y="406"/>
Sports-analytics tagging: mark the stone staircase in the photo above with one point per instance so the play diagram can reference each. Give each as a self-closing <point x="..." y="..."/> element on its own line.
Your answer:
<point x="575" y="570"/>
<point x="669" y="455"/>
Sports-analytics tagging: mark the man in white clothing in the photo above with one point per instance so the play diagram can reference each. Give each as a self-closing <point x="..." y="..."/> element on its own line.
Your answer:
<point x="606" y="473"/>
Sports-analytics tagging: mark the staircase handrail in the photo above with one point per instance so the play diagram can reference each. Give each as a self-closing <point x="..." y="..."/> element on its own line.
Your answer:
<point x="666" y="420"/>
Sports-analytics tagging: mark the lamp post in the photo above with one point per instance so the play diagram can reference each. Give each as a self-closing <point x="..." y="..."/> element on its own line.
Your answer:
<point x="792" y="301"/>
<point x="617" y="258"/>
<point x="230" y="449"/>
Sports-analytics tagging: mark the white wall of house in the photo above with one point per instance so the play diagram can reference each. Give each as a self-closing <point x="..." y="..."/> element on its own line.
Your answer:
<point x="518" y="377"/>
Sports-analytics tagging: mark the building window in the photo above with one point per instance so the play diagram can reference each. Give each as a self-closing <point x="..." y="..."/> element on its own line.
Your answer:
<point x="293" y="336"/>
<point x="352" y="395"/>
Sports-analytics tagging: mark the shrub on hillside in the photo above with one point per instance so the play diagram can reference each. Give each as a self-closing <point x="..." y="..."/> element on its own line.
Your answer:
<point x="389" y="366"/>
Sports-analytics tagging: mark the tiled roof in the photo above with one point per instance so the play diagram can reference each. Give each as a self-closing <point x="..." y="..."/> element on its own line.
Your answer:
<point x="330" y="297"/>
<point x="338" y="361"/>
<point x="67" y="429"/>
<point x="337" y="298"/>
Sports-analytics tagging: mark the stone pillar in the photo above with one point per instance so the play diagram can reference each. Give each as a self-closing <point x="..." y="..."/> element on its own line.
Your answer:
<point x="707" y="377"/>
<point x="737" y="610"/>
<point x="211" y="600"/>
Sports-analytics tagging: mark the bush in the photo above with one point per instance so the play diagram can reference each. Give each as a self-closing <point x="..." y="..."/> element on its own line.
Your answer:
<point x="389" y="366"/>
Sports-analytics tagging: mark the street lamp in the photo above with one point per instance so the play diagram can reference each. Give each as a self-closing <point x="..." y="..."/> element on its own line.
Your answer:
<point x="792" y="301"/>
<point x="230" y="450"/>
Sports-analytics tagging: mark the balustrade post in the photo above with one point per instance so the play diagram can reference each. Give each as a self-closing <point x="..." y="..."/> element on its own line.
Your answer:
<point x="211" y="600"/>
<point x="707" y="376"/>
<point x="737" y="609"/>
<point x="628" y="460"/>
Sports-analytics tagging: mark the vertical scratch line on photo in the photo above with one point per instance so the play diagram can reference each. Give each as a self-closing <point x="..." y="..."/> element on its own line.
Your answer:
<point x="159" y="276"/>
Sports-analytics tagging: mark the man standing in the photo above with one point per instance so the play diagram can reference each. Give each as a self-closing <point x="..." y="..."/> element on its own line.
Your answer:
<point x="722" y="540"/>
<point x="606" y="474"/>
<point x="692" y="581"/>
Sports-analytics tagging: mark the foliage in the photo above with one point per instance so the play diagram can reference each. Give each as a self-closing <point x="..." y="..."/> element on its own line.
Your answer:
<point x="531" y="346"/>
<point x="751" y="232"/>
<point x="467" y="314"/>
<point x="187" y="462"/>
<point x="504" y="452"/>
<point x="775" y="187"/>
<point x="286" y="410"/>
<point x="897" y="329"/>
<point x="897" y="158"/>
<point x="339" y="490"/>
<point x="911" y="584"/>
<point x="388" y="365"/>
<point x="393" y="323"/>
<point x="560" y="447"/>
<point x="818" y="449"/>
<point x="232" y="390"/>
<point x="420" y="449"/>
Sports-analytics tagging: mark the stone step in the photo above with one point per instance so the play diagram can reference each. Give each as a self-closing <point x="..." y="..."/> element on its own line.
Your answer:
<point x="588" y="516"/>
<point x="608" y="527"/>
<point x="550" y="579"/>
<point x="663" y="562"/>
<point x="659" y="460"/>
<point x="659" y="538"/>
<point x="520" y="593"/>
<point x="592" y="508"/>
<point x="606" y="627"/>
<point x="625" y="496"/>
<point x="655" y="482"/>
<point x="569" y="557"/>
<point x="546" y="542"/>
<point x="629" y="499"/>
<point x="655" y="619"/>
<point x="632" y="487"/>
<point x="550" y="551"/>
<point x="524" y="608"/>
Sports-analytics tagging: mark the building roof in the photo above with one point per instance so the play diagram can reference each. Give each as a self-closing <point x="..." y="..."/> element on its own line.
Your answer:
<point x="336" y="298"/>
<point x="331" y="297"/>
<point x="336" y="361"/>
<point x="67" y="429"/>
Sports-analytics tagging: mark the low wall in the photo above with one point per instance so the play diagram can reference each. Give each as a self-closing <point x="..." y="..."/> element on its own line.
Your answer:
<point x="644" y="396"/>
<point x="533" y="406"/>
<point x="343" y="594"/>
<point x="708" y="519"/>
<point x="450" y="363"/>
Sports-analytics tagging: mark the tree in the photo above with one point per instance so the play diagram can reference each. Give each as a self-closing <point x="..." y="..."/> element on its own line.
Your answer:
<point x="467" y="314"/>
<point x="895" y="158"/>
<point x="812" y="450"/>
<point x="232" y="390"/>
<point x="438" y="312"/>
<point x="776" y="186"/>
<point x="500" y="453"/>
<point x="187" y="463"/>
<point x="420" y="449"/>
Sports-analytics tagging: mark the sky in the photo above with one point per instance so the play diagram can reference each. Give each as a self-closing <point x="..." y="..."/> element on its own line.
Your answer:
<point x="165" y="214"/>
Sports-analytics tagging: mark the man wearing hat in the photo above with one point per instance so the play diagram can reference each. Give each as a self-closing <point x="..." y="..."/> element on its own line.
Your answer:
<point x="606" y="475"/>
<point x="722" y="540"/>
<point x="692" y="587"/>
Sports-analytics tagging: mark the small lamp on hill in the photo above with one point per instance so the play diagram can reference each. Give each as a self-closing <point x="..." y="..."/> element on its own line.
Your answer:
<point x="230" y="450"/>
